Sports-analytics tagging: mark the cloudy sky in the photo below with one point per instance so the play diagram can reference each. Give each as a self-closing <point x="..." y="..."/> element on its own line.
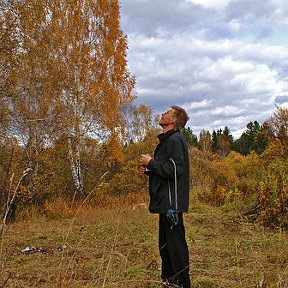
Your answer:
<point x="224" y="61"/>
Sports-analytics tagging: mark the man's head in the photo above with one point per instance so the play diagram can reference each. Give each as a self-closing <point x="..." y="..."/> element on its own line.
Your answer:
<point x="174" y="118"/>
<point x="181" y="117"/>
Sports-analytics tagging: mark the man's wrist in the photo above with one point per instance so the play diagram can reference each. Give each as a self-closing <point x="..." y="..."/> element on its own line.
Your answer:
<point x="148" y="166"/>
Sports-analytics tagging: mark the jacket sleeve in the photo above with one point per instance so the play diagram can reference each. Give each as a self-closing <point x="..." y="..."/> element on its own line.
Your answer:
<point x="164" y="168"/>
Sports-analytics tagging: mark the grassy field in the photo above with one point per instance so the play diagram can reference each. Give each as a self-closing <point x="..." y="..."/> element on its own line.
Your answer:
<point x="118" y="248"/>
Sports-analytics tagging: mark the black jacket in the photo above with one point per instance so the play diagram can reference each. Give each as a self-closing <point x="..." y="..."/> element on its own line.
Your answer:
<point x="160" y="170"/>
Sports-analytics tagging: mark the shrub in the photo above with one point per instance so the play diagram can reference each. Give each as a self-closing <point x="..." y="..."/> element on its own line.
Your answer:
<point x="213" y="178"/>
<point x="272" y="192"/>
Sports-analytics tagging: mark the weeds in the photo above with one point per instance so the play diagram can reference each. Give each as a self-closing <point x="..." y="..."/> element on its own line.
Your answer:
<point x="118" y="248"/>
<point x="10" y="200"/>
<point x="5" y="255"/>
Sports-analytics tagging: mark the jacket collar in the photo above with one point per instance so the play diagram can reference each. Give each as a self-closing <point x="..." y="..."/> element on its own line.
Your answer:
<point x="163" y="136"/>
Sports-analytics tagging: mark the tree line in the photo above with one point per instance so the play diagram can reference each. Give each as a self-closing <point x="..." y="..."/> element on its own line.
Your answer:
<point x="254" y="138"/>
<point x="69" y="127"/>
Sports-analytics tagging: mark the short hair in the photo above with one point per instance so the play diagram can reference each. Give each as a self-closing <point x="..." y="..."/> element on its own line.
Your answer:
<point x="181" y="117"/>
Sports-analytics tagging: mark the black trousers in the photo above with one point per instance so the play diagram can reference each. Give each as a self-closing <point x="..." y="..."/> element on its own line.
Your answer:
<point x="174" y="252"/>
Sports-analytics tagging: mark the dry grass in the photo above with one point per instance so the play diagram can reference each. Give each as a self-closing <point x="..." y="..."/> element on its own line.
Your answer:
<point x="110" y="247"/>
<point x="229" y="252"/>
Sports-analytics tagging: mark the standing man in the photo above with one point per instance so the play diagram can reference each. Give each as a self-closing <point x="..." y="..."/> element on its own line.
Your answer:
<point x="172" y="149"/>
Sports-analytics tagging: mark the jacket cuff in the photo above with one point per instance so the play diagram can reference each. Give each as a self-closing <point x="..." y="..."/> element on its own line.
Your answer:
<point x="150" y="164"/>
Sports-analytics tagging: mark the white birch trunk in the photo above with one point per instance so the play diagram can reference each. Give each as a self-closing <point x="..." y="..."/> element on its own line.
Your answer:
<point x="75" y="165"/>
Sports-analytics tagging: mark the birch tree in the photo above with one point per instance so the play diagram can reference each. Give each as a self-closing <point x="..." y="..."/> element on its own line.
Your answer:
<point x="139" y="120"/>
<point x="91" y="58"/>
<point x="276" y="127"/>
<point x="8" y="44"/>
<point x="205" y="140"/>
<point x="70" y="76"/>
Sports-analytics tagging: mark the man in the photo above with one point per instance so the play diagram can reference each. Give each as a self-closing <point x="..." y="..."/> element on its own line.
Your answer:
<point x="160" y="169"/>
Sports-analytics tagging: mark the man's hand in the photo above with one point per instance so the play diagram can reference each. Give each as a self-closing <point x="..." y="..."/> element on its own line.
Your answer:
<point x="144" y="159"/>
<point x="142" y="169"/>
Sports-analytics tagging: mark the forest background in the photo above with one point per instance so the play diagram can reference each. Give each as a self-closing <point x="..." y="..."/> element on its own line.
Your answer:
<point x="70" y="139"/>
<point x="70" y="130"/>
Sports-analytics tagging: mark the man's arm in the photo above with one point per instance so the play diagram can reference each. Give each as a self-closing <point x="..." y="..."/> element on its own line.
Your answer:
<point x="165" y="168"/>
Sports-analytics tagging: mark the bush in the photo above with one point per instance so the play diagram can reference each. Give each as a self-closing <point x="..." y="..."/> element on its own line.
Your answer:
<point x="213" y="178"/>
<point x="272" y="192"/>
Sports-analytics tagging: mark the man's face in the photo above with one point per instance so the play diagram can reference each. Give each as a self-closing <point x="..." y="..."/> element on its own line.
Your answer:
<point x="167" y="118"/>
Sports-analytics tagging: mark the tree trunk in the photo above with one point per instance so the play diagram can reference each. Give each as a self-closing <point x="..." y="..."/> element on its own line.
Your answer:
<point x="75" y="165"/>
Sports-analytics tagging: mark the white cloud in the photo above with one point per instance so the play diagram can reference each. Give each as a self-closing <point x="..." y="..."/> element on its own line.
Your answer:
<point x="197" y="105"/>
<point x="210" y="3"/>
<point x="226" y="111"/>
<point x="221" y="60"/>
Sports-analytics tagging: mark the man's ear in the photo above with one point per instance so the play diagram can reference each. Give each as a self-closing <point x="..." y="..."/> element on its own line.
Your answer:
<point x="173" y="120"/>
